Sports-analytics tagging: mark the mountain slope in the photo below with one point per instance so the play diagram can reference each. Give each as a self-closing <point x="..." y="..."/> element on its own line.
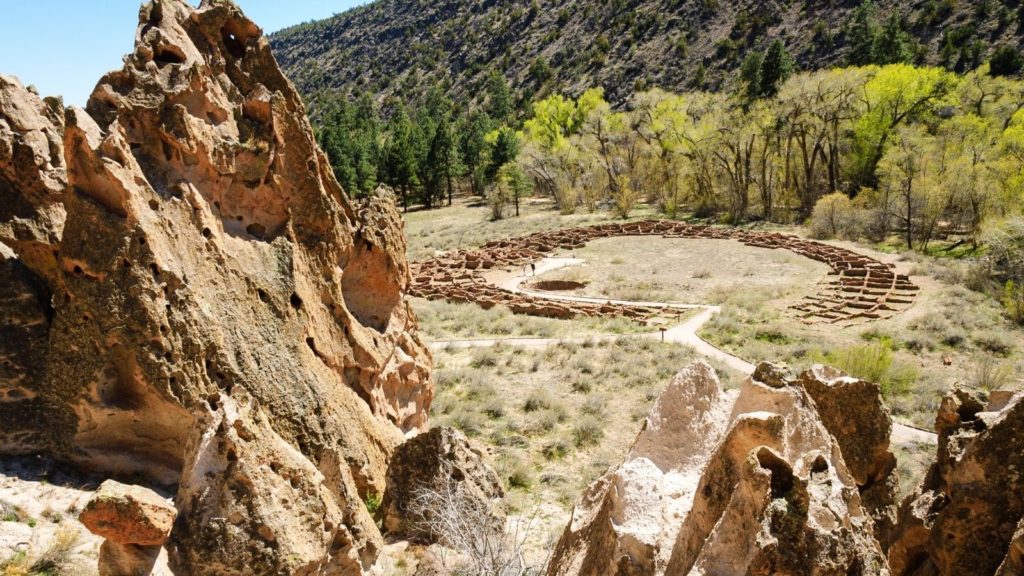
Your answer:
<point x="402" y="47"/>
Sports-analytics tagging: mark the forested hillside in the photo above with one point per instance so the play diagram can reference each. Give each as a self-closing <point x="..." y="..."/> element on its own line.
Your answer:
<point x="402" y="47"/>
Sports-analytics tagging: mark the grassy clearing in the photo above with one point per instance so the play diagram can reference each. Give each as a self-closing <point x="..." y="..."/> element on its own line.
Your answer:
<point x="686" y="270"/>
<point x="446" y="321"/>
<point x="556" y="418"/>
<point x="466" y="224"/>
<point x="950" y="335"/>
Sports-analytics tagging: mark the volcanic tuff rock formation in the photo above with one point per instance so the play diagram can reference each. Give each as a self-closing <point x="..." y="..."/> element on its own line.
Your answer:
<point x="967" y="515"/>
<point x="135" y="522"/>
<point x="747" y="482"/>
<point x="437" y="460"/>
<point x="214" y="311"/>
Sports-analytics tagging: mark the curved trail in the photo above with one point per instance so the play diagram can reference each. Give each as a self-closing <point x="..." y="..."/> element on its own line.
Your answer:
<point x="684" y="333"/>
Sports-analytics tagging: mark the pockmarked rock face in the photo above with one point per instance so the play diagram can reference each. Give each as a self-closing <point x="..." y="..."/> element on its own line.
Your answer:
<point x="215" y="313"/>
<point x="744" y="482"/>
<point x="966" y="516"/>
<point x="437" y="460"/>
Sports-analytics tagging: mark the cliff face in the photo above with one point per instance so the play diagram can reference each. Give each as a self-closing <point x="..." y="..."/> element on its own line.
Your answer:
<point x="402" y="48"/>
<point x="215" y="313"/>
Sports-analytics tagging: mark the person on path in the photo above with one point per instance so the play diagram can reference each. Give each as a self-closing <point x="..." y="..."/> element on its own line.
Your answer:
<point x="533" y="268"/>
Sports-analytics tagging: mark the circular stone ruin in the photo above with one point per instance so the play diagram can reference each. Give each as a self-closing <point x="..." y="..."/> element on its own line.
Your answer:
<point x="858" y="288"/>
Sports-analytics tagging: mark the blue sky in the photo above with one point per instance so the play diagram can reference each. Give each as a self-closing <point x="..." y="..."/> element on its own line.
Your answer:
<point x="64" y="46"/>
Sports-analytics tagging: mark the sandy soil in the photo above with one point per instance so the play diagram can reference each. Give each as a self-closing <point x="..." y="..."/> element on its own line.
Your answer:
<point x="39" y="501"/>
<point x="687" y="270"/>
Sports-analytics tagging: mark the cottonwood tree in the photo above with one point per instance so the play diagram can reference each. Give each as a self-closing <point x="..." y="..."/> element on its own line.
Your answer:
<point x="664" y="124"/>
<point x="894" y="95"/>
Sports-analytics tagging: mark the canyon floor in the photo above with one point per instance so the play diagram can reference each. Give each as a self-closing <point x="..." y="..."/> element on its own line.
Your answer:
<point x="558" y="402"/>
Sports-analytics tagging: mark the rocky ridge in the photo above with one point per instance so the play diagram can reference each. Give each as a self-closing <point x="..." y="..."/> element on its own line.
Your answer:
<point x="747" y="482"/>
<point x="794" y="475"/>
<point x="194" y="301"/>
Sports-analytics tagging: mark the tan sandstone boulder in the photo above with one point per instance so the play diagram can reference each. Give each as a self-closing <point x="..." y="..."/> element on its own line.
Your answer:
<point x="852" y="411"/>
<point x="128" y="514"/>
<point x="965" y="517"/>
<point x="442" y="461"/>
<point x="215" y="312"/>
<point x="747" y="482"/>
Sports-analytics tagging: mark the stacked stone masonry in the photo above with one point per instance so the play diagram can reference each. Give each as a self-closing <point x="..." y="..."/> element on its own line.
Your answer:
<point x="859" y="288"/>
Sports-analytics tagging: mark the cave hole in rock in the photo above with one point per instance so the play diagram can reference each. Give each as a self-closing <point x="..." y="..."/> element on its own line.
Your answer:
<point x="296" y="301"/>
<point x="370" y="295"/>
<point x="820" y="465"/>
<point x="256" y="229"/>
<point x="167" y="149"/>
<point x="262" y="295"/>
<point x="164" y="55"/>
<point x="235" y="36"/>
<point x="782" y="474"/>
<point x="154" y="205"/>
<point x="121" y="389"/>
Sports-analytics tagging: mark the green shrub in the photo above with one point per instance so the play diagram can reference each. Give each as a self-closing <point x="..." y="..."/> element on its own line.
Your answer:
<point x="993" y="341"/>
<point x="556" y="449"/>
<point x="539" y="399"/>
<point x="989" y="374"/>
<point x="874" y="362"/>
<point x="587" y="432"/>
<point x="484" y="358"/>
<point x="1013" y="301"/>
<point x="517" y="473"/>
<point x="834" y="216"/>
<point x="495" y="408"/>
<point x="373" y="502"/>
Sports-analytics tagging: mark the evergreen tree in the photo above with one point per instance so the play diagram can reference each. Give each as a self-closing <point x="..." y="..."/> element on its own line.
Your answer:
<point x="399" y="168"/>
<point x="1006" y="61"/>
<point x="349" y="138"/>
<point x="775" y="69"/>
<point x="861" y="33"/>
<point x="439" y="163"/>
<point x="500" y="99"/>
<point x="750" y="73"/>
<point x="473" y="147"/>
<point x="506" y="148"/>
<point x="892" y="45"/>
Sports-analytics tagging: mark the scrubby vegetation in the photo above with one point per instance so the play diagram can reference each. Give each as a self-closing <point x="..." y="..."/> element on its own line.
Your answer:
<point x="557" y="417"/>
